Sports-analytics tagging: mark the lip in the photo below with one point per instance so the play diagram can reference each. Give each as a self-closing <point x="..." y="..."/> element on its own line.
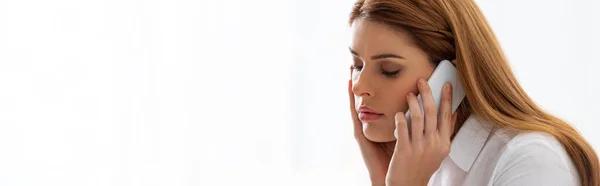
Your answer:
<point x="365" y="109"/>
<point x="367" y="114"/>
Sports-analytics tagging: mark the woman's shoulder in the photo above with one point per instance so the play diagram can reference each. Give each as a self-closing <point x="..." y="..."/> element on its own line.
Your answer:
<point x="536" y="138"/>
<point x="503" y="156"/>
<point x="536" y="154"/>
<point x="513" y="142"/>
<point x="540" y="145"/>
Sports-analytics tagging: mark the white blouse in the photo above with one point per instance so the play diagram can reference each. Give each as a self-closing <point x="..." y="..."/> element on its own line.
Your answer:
<point x="482" y="154"/>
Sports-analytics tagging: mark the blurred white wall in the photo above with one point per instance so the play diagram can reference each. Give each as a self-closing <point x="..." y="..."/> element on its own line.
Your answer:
<point x="229" y="92"/>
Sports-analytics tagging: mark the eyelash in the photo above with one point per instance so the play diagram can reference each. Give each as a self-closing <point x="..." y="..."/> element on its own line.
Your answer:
<point x="386" y="73"/>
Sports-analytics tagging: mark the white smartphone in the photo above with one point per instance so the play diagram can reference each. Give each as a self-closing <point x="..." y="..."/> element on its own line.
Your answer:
<point x="444" y="72"/>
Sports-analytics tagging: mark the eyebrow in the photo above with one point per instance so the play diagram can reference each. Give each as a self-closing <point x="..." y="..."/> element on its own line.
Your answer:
<point x="379" y="56"/>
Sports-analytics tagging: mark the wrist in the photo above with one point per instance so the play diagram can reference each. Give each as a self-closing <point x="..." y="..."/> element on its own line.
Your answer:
<point x="377" y="179"/>
<point x="377" y="184"/>
<point x="407" y="183"/>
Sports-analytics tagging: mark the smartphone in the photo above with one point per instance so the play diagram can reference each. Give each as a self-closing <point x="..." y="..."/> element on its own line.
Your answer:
<point x="444" y="72"/>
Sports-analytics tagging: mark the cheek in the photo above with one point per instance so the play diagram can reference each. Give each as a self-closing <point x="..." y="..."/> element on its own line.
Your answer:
<point x="401" y="103"/>
<point x="397" y="99"/>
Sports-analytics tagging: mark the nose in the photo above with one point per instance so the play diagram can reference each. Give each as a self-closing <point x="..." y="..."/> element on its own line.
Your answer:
<point x="362" y="86"/>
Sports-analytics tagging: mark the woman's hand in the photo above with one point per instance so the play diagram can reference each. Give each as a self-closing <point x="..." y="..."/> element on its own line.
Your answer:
<point x="418" y="156"/>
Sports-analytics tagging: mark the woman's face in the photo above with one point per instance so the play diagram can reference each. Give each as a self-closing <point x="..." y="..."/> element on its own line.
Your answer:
<point x="386" y="67"/>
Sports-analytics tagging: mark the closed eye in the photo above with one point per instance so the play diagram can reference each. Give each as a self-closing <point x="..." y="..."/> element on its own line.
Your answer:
<point x="384" y="72"/>
<point x="390" y="73"/>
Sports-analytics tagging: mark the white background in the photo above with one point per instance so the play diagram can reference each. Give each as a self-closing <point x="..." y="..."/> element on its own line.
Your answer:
<point x="230" y="92"/>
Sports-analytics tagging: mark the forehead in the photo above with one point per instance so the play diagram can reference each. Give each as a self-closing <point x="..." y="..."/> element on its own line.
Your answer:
<point x="371" y="37"/>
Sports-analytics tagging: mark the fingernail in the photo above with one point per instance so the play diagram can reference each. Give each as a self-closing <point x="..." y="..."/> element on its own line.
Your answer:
<point x="421" y="81"/>
<point x="447" y="87"/>
<point x="398" y="116"/>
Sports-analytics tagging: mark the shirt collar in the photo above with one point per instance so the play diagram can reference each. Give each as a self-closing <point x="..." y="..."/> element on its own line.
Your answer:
<point x="469" y="141"/>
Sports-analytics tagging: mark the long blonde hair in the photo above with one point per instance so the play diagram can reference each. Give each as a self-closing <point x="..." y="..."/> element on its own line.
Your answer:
<point x="456" y="29"/>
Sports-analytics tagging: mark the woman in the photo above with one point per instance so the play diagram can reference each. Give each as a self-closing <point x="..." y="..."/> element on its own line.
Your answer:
<point x="498" y="136"/>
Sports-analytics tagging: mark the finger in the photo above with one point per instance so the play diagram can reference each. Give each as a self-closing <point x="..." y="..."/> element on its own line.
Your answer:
<point x="356" y="123"/>
<point x="351" y="97"/>
<point x="445" y="123"/>
<point x="416" y="118"/>
<point x="401" y="132"/>
<point x="403" y="144"/>
<point x="429" y="110"/>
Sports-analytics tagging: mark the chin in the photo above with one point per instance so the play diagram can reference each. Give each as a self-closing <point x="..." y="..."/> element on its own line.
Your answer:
<point x="375" y="134"/>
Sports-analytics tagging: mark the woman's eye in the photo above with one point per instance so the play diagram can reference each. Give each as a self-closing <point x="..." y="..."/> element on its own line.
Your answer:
<point x="390" y="73"/>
